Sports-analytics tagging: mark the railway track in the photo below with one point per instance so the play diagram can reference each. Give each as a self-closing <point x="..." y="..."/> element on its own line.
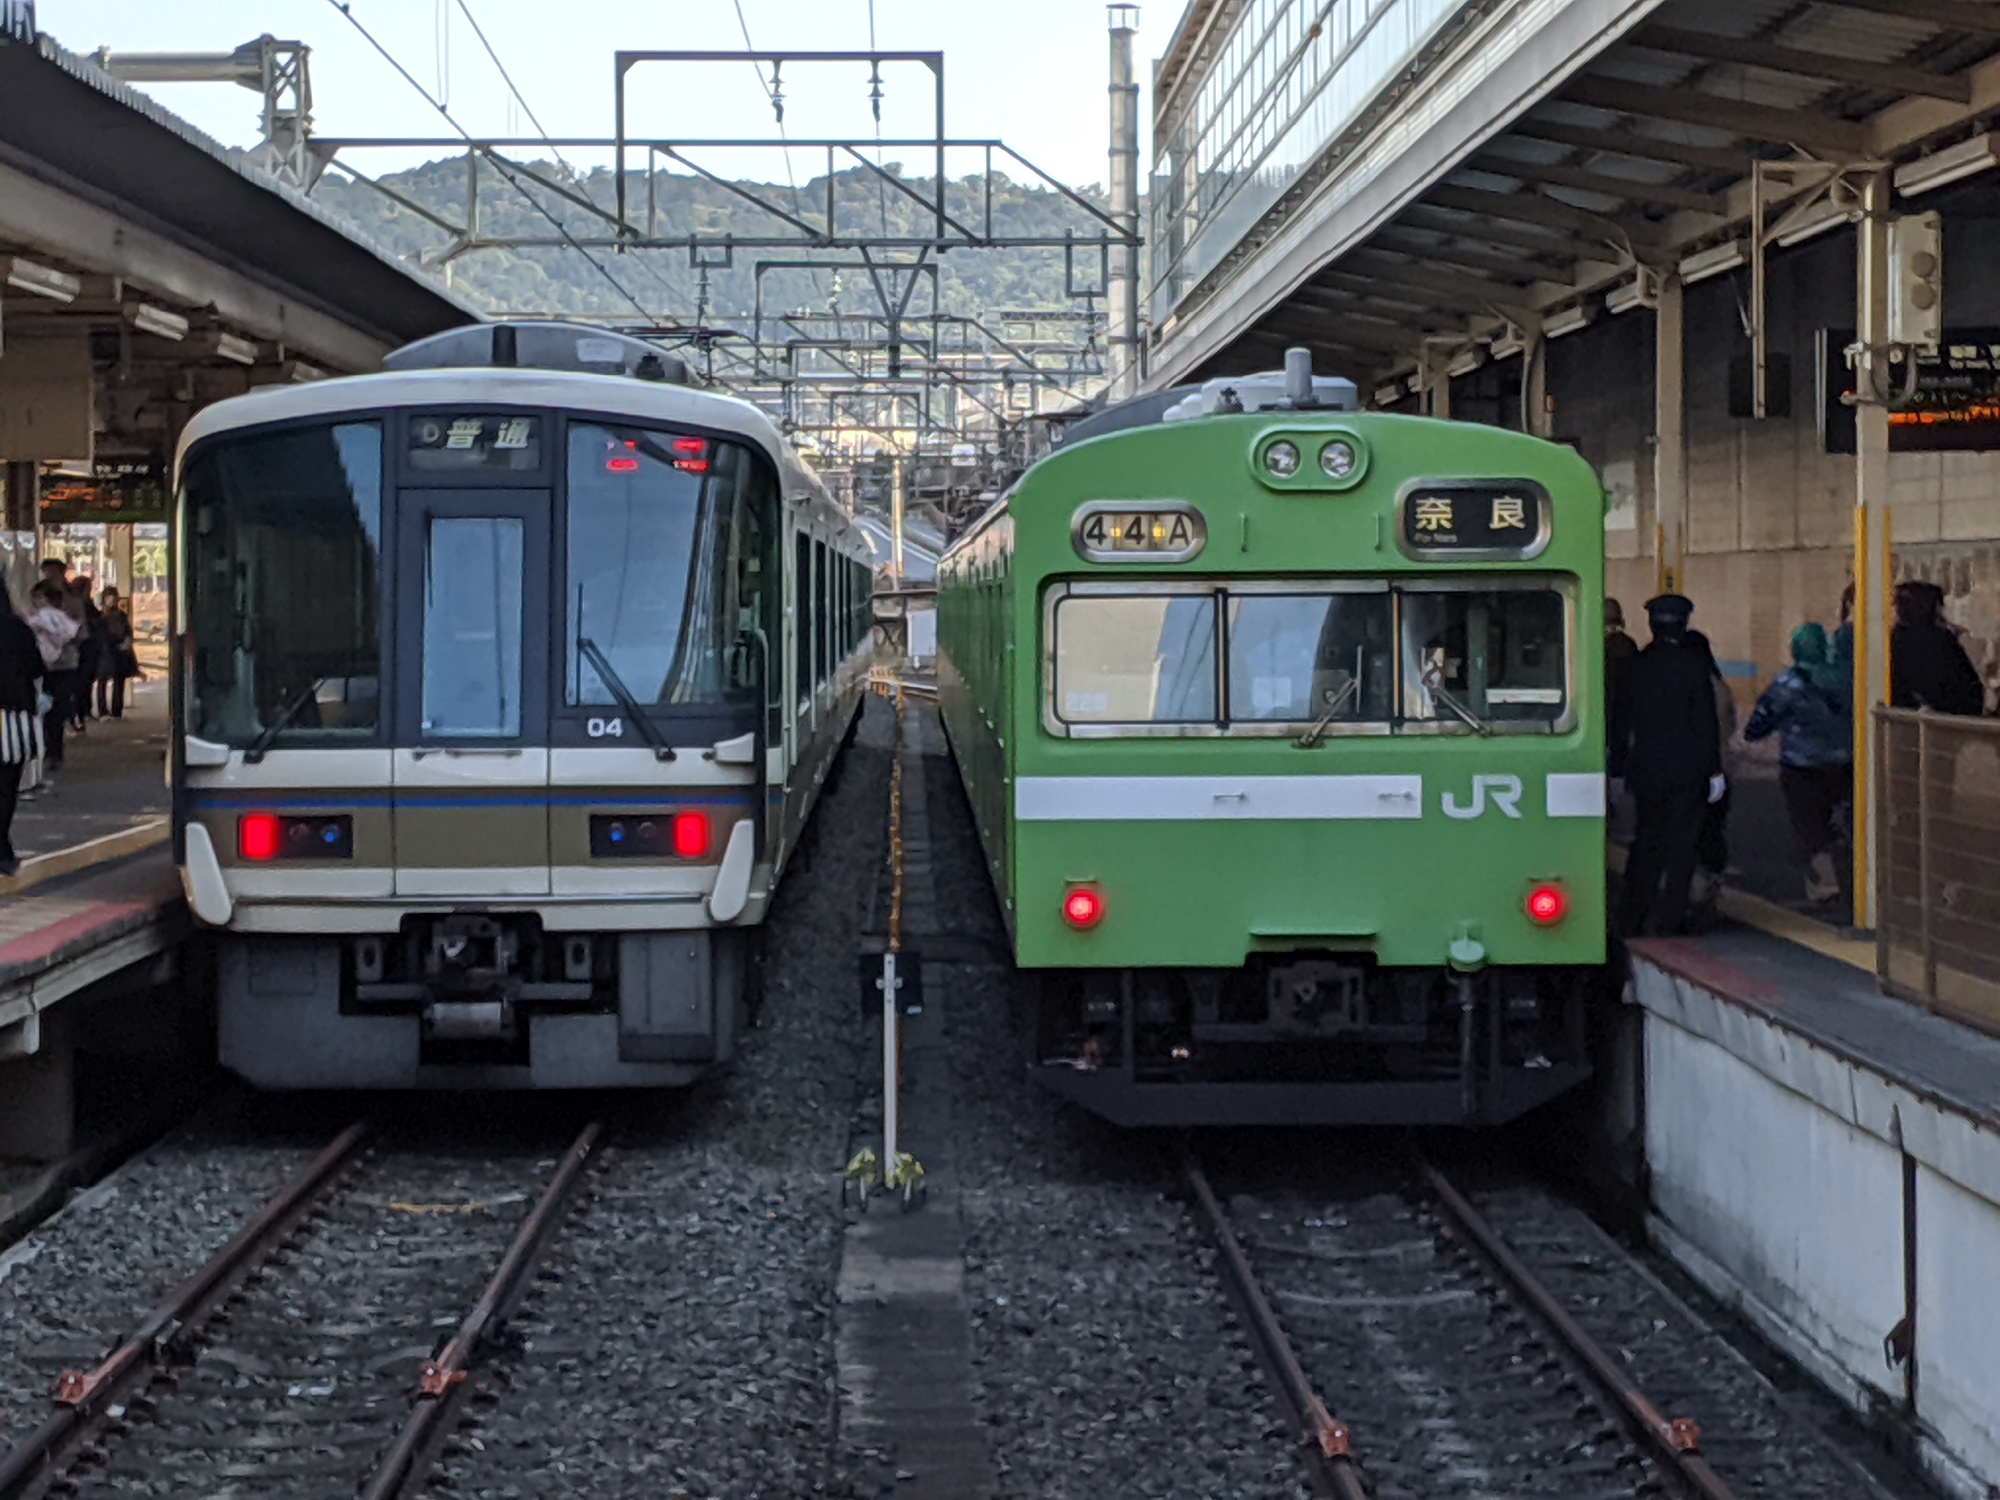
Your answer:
<point x="310" y="1353"/>
<point x="1422" y="1352"/>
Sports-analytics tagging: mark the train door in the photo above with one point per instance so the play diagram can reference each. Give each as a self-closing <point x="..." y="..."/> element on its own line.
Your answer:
<point x="471" y="790"/>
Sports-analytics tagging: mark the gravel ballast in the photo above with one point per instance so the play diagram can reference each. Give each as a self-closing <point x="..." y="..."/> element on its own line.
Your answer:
<point x="1108" y="1360"/>
<point x="679" y="1341"/>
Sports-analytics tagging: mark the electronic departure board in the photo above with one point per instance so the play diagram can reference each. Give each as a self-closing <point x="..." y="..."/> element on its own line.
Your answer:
<point x="1952" y="406"/>
<point x="1483" y="520"/>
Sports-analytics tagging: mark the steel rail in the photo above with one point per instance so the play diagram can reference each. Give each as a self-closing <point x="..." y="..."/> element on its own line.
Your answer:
<point x="1323" y="1440"/>
<point x="442" y="1378"/>
<point x="1675" y="1442"/>
<point x="80" y="1394"/>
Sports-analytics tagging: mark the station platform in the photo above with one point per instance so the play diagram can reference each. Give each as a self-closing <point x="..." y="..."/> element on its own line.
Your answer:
<point x="108" y="802"/>
<point x="94" y="915"/>
<point x="1826" y="1159"/>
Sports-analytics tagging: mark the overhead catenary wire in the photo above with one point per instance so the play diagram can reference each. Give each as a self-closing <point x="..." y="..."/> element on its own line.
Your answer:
<point x="347" y="10"/>
<point x="581" y="180"/>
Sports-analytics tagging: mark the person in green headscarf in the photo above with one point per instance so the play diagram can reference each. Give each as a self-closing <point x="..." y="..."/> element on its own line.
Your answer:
<point x="1806" y="707"/>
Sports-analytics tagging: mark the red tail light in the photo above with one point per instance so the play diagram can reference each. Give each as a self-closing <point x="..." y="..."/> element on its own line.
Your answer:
<point x="690" y="834"/>
<point x="691" y="455"/>
<point x="257" y="837"/>
<point x="1547" y="904"/>
<point x="1083" y="907"/>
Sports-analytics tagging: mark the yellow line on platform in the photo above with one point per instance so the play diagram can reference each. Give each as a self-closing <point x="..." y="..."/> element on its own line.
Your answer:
<point x="1768" y="916"/>
<point x="98" y="851"/>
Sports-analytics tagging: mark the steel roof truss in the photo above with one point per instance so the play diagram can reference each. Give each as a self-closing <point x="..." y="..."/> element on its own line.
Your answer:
<point x="1888" y="78"/>
<point x="1665" y="194"/>
<point x="1763" y="122"/>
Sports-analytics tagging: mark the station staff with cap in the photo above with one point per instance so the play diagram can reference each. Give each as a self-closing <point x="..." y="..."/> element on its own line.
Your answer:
<point x="1667" y="747"/>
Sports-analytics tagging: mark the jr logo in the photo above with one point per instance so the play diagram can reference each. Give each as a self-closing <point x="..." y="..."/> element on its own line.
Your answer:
<point x="1506" y="792"/>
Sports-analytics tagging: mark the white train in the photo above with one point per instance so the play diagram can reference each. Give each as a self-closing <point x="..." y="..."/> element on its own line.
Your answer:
<point x="505" y="684"/>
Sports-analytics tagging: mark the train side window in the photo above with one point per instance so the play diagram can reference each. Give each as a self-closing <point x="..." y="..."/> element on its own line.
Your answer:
<point x="803" y="616"/>
<point x="819" y="611"/>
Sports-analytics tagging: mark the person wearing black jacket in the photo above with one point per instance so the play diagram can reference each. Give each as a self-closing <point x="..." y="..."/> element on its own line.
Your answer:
<point x="20" y="679"/>
<point x="1928" y="668"/>
<point x="1666" y="744"/>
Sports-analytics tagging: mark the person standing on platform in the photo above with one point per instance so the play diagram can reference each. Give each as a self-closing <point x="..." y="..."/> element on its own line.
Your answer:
<point x="1666" y="746"/>
<point x="82" y="608"/>
<point x="116" y="660"/>
<point x="1712" y="848"/>
<point x="1805" y="707"/>
<point x="55" y="640"/>
<point x="21" y="672"/>
<point x="1928" y="667"/>
<point x="1619" y="649"/>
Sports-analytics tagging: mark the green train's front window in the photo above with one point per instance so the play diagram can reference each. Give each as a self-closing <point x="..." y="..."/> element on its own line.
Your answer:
<point x="1366" y="656"/>
<point x="1482" y="657"/>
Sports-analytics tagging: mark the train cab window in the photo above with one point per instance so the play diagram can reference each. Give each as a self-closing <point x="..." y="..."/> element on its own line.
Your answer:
<point x="666" y="546"/>
<point x="282" y="560"/>
<point x="472" y="628"/>
<point x="1483" y="656"/>
<point x="1135" y="659"/>
<point x="1310" y="656"/>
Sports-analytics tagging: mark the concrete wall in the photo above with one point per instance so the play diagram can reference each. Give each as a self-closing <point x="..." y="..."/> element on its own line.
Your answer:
<point x="1782" y="1175"/>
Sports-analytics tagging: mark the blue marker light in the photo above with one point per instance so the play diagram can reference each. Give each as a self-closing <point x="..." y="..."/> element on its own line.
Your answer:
<point x="332" y="834"/>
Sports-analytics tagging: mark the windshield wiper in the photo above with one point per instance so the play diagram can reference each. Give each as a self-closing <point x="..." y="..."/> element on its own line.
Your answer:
<point x="1324" y="722"/>
<point x="292" y="709"/>
<point x="647" y="729"/>
<point x="1460" y="711"/>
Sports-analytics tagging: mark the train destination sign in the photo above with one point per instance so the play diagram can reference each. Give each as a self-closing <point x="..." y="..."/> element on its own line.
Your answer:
<point x="1475" y="520"/>
<point x="452" y="440"/>
<point x="1124" y="531"/>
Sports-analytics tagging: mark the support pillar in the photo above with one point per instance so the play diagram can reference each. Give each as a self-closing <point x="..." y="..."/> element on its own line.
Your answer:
<point x="1670" y="488"/>
<point x="896" y="514"/>
<point x="1437" y="386"/>
<point x="1536" y="418"/>
<point x="1872" y="583"/>
<point x="19" y="517"/>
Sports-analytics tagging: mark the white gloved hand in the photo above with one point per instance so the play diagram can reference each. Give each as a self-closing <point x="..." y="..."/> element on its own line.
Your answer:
<point x="1718" y="784"/>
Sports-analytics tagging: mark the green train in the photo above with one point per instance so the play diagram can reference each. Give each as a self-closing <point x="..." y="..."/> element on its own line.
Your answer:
<point x="1283" y="727"/>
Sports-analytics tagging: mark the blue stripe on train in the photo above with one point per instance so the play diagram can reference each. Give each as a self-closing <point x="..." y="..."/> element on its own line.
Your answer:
<point x="273" y="801"/>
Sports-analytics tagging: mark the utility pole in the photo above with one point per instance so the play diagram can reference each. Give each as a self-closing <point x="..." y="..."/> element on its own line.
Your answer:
<point x="1123" y="287"/>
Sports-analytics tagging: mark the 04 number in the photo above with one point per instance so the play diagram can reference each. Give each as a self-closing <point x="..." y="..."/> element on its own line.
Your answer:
<point x="605" y="729"/>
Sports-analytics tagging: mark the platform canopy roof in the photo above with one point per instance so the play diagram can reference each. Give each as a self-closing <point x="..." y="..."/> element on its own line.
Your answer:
<point x="1622" y="138"/>
<point x="121" y="218"/>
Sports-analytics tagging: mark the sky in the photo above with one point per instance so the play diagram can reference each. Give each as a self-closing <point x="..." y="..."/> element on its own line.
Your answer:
<point x="1029" y="72"/>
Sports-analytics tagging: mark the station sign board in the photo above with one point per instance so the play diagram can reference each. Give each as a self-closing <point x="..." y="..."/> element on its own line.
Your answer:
<point x="1954" y="406"/>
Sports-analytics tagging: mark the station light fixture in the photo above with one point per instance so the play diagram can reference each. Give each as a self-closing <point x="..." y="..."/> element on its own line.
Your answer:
<point x="231" y="347"/>
<point x="1466" y="362"/>
<point x="1643" y="290"/>
<point x="40" y="280"/>
<point x="1713" y="261"/>
<point x="1547" y="904"/>
<point x="1508" y="343"/>
<point x="1953" y="164"/>
<point x="1569" y="320"/>
<point x="1083" y="907"/>
<point x="1814" y="222"/>
<point x="1390" y="394"/>
<point x="157" y="321"/>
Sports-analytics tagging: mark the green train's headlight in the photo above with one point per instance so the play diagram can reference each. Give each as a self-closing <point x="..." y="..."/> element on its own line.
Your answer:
<point x="1313" y="460"/>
